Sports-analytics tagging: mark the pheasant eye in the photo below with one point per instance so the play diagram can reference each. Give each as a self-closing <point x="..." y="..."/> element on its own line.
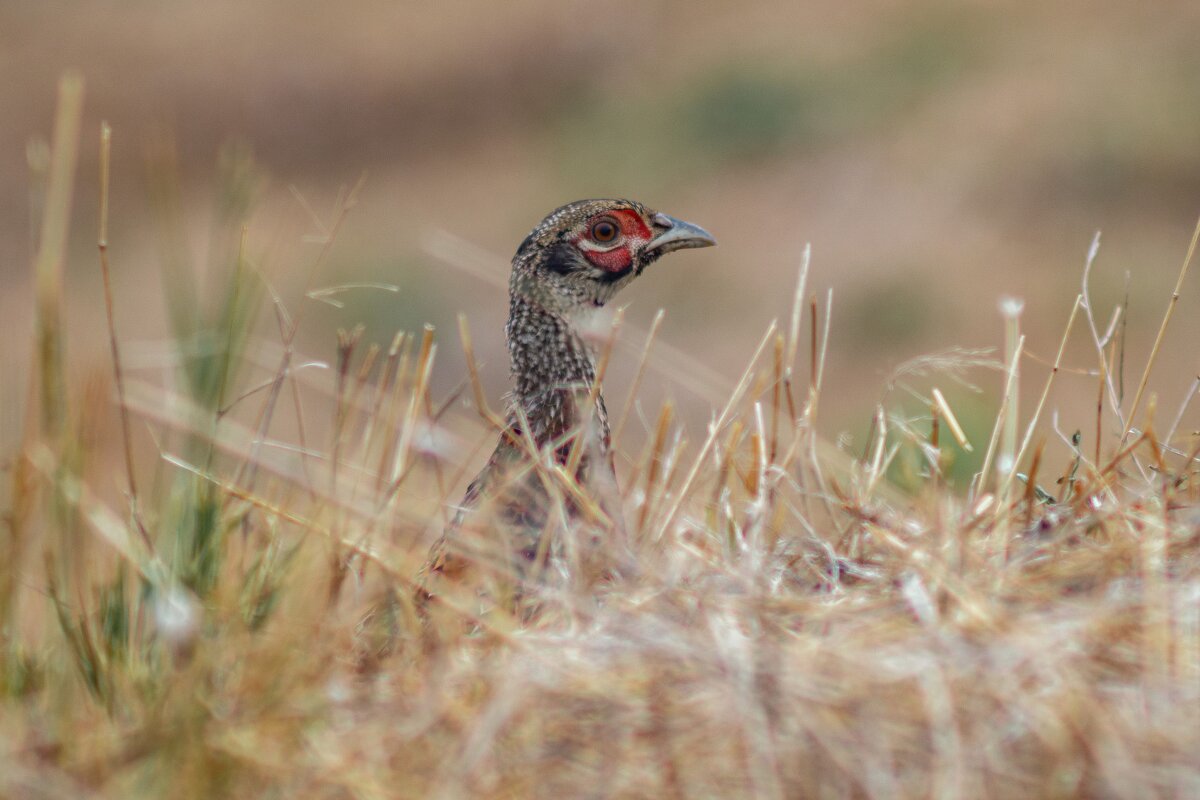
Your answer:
<point x="604" y="231"/>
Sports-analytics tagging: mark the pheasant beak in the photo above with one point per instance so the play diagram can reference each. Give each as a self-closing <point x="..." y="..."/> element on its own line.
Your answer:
<point x="679" y="235"/>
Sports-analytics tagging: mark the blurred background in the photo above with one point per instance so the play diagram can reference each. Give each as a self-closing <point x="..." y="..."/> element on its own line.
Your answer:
<point x="936" y="155"/>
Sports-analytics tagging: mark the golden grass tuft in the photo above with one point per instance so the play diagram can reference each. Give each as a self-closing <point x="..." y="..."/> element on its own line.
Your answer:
<point x="787" y="624"/>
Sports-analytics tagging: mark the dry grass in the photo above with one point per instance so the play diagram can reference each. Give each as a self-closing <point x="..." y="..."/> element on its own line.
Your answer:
<point x="788" y="625"/>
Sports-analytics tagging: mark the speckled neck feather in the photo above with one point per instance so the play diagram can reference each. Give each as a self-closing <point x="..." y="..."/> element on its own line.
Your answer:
<point x="553" y="371"/>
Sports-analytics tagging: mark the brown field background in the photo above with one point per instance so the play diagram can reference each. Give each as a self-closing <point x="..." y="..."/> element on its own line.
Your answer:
<point x="779" y="621"/>
<point x="936" y="155"/>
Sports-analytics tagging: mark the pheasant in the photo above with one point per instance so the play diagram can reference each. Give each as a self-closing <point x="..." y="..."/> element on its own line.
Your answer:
<point x="574" y="261"/>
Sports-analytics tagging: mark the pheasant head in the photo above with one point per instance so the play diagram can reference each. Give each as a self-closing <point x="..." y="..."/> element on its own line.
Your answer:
<point x="585" y="252"/>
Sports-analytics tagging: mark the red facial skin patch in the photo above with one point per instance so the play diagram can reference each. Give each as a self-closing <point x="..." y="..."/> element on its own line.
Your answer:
<point x="631" y="225"/>
<point x="634" y="234"/>
<point x="618" y="259"/>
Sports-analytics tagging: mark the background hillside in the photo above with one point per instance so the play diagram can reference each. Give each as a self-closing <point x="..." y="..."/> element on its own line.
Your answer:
<point x="936" y="155"/>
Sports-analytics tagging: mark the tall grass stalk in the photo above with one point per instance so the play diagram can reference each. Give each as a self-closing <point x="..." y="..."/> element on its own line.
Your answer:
<point x="48" y="265"/>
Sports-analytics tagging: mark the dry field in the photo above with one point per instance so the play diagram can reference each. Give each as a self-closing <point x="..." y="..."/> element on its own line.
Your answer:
<point x="914" y="512"/>
<point x="238" y="622"/>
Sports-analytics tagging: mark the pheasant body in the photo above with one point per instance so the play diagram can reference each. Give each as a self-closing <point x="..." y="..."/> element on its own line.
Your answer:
<point x="574" y="261"/>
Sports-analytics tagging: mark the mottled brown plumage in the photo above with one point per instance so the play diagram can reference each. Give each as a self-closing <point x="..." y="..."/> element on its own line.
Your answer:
<point x="574" y="261"/>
